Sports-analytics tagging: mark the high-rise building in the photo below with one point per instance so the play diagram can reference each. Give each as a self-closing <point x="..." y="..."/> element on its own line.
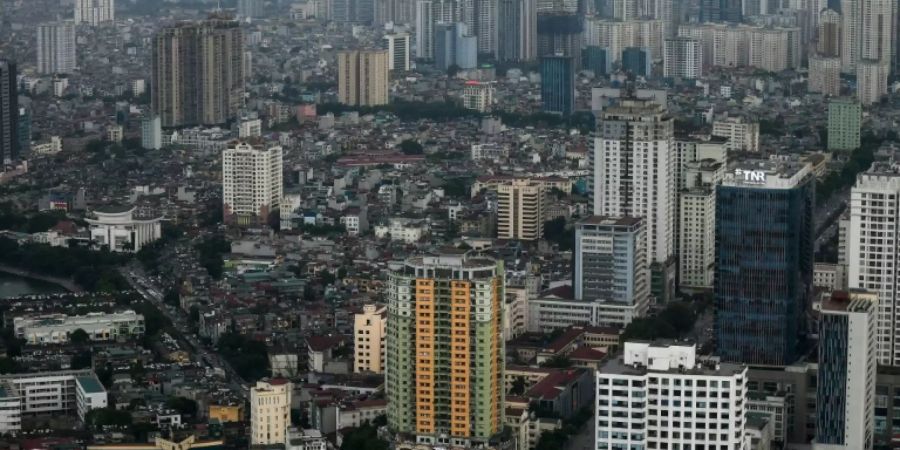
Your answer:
<point x="697" y="222"/>
<point x="845" y="386"/>
<point x="425" y="29"/>
<point x="829" y="34"/>
<point x="397" y="45"/>
<point x="742" y="134"/>
<point x="721" y="11"/>
<point x="478" y="96"/>
<point x="454" y="46"/>
<point x="270" y="411"/>
<point x="56" y="47"/>
<point x="520" y="210"/>
<point x="558" y="84"/>
<point x="363" y="77"/>
<point x="445" y="354"/>
<point x="560" y="34"/>
<point x="198" y="72"/>
<point x="24" y="130"/>
<point x="682" y="58"/>
<point x="825" y="75"/>
<point x="871" y="81"/>
<point x="658" y="395"/>
<point x="844" y="122"/>
<point x="616" y="36"/>
<point x="867" y="32"/>
<point x="151" y="132"/>
<point x="252" y="184"/>
<point x="517" y="30"/>
<point x="396" y="11"/>
<point x="249" y="9"/>
<point x="636" y="61"/>
<point x="94" y="12"/>
<point x="369" y="334"/>
<point x="597" y="60"/>
<point x="611" y="268"/>
<point x="9" y="112"/>
<point x="764" y="261"/>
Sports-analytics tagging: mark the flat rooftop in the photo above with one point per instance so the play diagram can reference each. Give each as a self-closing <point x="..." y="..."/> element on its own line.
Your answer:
<point x="617" y="366"/>
<point x="90" y="385"/>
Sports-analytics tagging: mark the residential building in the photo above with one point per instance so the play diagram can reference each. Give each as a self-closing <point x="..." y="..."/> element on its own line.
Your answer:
<point x="250" y="9"/>
<point x="120" y="229"/>
<point x="683" y="58"/>
<point x="398" y="48"/>
<point x="363" y="77"/>
<point x="637" y="61"/>
<point x="844" y="124"/>
<point x="402" y="229"/>
<point x="616" y="36"/>
<point x="56" y="47"/>
<point x="310" y="439"/>
<point x="94" y="12"/>
<point x="871" y="80"/>
<point x="825" y="75"/>
<point x="270" y="411"/>
<point x="197" y="75"/>
<point x="454" y="46"/>
<point x="369" y="334"/>
<point x="669" y="399"/>
<point x="560" y="33"/>
<point x="558" y="84"/>
<point x="611" y="267"/>
<point x="697" y="224"/>
<point x="520" y="210"/>
<point x="845" y="387"/>
<point x="761" y="291"/>
<point x="478" y="96"/>
<point x="828" y="42"/>
<point x="742" y="135"/>
<point x="10" y="144"/>
<point x="830" y="277"/>
<point x="57" y="328"/>
<point x="252" y="186"/>
<point x="425" y="22"/>
<point x="422" y="400"/>
<point x="72" y="392"/>
<point x="517" y="30"/>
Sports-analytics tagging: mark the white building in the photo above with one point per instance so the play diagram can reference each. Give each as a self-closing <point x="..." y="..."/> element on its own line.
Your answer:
<point x="493" y="151"/>
<point x="151" y="133"/>
<point x="73" y="392"/>
<point x="56" y="47"/>
<point x="683" y="58"/>
<point x="741" y="134"/>
<point x="478" y="96"/>
<point x="355" y="221"/>
<point x="118" y="229"/>
<point x="57" y="328"/>
<point x="825" y="75"/>
<point x="94" y="12"/>
<point x="369" y="333"/>
<point x="409" y="231"/>
<point x="398" y="47"/>
<point x="615" y="36"/>
<point x="871" y="81"/>
<point x="661" y="396"/>
<point x="250" y="128"/>
<point x="252" y="186"/>
<point x="425" y="29"/>
<point x="829" y="276"/>
<point x="270" y="411"/>
<point x="305" y="440"/>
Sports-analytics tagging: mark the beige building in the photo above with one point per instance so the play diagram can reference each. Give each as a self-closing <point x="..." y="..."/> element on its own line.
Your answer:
<point x="871" y="81"/>
<point x="198" y="72"/>
<point x="368" y="339"/>
<point x="252" y="184"/>
<point x="270" y="411"/>
<point x="741" y="135"/>
<point x="363" y="77"/>
<point x="520" y="210"/>
<point x="825" y="75"/>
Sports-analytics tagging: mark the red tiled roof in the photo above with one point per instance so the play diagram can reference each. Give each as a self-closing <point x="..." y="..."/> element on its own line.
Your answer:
<point x="321" y="343"/>
<point x="586" y="353"/>
<point x="551" y="386"/>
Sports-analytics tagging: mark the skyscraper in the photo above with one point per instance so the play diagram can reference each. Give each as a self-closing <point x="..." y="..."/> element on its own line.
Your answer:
<point x="520" y="210"/>
<point x="517" y="30"/>
<point x="558" y="84"/>
<point x="397" y="45"/>
<point x="198" y="72"/>
<point x="9" y="112"/>
<point x="682" y="58"/>
<point x="94" y="12"/>
<point x="825" y="75"/>
<point x="425" y="29"/>
<point x="480" y="16"/>
<point x="871" y="80"/>
<point x="252" y="184"/>
<point x="596" y="59"/>
<point x="829" y="34"/>
<point x="363" y="77"/>
<point x="611" y="268"/>
<point x="867" y="32"/>
<point x="270" y="411"/>
<point x="454" y="46"/>
<point x="560" y="34"/>
<point x="844" y="122"/>
<point x="249" y="9"/>
<point x="636" y="61"/>
<point x="845" y="386"/>
<point x="764" y="261"/>
<point x="445" y="355"/>
<point x="697" y="223"/>
<point x="56" y="47"/>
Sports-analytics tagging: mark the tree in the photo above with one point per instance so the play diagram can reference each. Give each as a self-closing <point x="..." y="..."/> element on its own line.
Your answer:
<point x="172" y="297"/>
<point x="183" y="405"/>
<point x="103" y="417"/>
<point x="410" y="147"/>
<point x="518" y="386"/>
<point x="79" y="337"/>
<point x="363" y="438"/>
<point x="82" y="360"/>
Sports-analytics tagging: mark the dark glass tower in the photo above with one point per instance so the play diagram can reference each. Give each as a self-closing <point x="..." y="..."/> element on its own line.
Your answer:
<point x="636" y="61"/>
<point x="9" y="112"/>
<point x="558" y="84"/>
<point x="764" y="261"/>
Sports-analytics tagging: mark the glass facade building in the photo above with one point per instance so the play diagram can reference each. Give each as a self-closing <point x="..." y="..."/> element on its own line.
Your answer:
<point x="558" y="84"/>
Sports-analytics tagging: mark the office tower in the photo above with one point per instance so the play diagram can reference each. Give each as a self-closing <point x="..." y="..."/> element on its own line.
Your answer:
<point x="825" y="75"/>
<point x="9" y="112"/>
<point x="658" y="395"/>
<point x="363" y="77"/>
<point x="270" y="411"/>
<point x="517" y="30"/>
<point x="764" y="261"/>
<point x="369" y="334"/>
<point x="560" y="34"/>
<point x="596" y="59"/>
<point x="251" y="182"/>
<point x="94" y="12"/>
<point x="454" y="46"/>
<point x="198" y="72"/>
<point x="24" y="132"/>
<point x="56" y="47"/>
<point x="697" y="222"/>
<point x="829" y="34"/>
<point x="845" y="386"/>
<point x="611" y="268"/>
<point x="445" y="355"/>
<point x="844" y="124"/>
<point x="871" y="81"/>
<point x="151" y="132"/>
<point x="249" y="9"/>
<point x="520" y="210"/>
<point x="742" y="135"/>
<point x="683" y="58"/>
<point x="558" y="84"/>
<point x="478" y="96"/>
<point x="636" y="60"/>
<point x="397" y="46"/>
<point x="425" y="29"/>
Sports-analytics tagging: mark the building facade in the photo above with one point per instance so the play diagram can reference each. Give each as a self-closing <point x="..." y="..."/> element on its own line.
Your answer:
<point x="478" y="96"/>
<point x="71" y="392"/>
<point x="369" y="334"/>
<point x="558" y="84"/>
<point x="58" y="328"/>
<point x="742" y="135"/>
<point x="697" y="222"/>
<point x="683" y="58"/>
<point x="10" y="144"/>
<point x="363" y="77"/>
<point x="56" y="48"/>
<point x="252" y="185"/>
<point x="825" y="75"/>
<point x="121" y="230"/>
<point x="844" y="124"/>
<point x="94" y="12"/>
<point x="270" y="411"/>
<point x="517" y="30"/>
<point x="398" y="48"/>
<point x="871" y="81"/>
<point x="520" y="210"/>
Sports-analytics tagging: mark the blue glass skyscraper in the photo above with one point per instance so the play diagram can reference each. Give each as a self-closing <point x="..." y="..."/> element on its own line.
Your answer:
<point x="558" y="84"/>
<point x="636" y="60"/>
<point x="764" y="261"/>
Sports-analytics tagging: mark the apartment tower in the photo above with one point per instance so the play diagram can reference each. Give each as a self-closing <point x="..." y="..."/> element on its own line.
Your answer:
<point x="94" y="12"/>
<point x="363" y="77"/>
<point x="10" y="146"/>
<point x="252" y="185"/>
<point x="520" y="210"/>
<point x="56" y="47"/>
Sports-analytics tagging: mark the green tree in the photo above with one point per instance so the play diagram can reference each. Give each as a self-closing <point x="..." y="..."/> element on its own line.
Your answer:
<point x="103" y="417"/>
<point x="183" y="405"/>
<point x="363" y="438"/>
<point x="79" y="337"/>
<point x="410" y="147"/>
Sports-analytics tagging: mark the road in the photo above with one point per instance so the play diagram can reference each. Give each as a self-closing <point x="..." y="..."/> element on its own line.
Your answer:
<point x="152" y="293"/>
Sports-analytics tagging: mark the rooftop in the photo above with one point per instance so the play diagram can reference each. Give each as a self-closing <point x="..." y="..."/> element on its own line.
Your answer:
<point x="90" y="384"/>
